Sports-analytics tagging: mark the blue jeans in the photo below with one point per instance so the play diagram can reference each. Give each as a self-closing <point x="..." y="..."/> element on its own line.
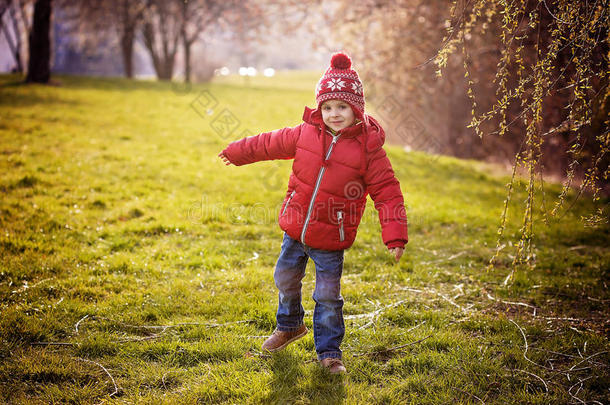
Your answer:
<point x="328" y="326"/>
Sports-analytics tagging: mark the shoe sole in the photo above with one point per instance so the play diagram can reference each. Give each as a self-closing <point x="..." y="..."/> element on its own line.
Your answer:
<point x="287" y="342"/>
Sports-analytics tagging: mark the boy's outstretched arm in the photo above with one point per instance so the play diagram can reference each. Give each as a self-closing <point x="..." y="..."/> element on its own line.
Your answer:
<point x="384" y="189"/>
<point x="278" y="144"/>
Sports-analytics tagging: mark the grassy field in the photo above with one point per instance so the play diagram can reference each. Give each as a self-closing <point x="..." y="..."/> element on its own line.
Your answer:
<point x="136" y="268"/>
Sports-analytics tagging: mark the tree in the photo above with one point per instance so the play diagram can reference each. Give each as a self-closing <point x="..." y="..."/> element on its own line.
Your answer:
<point x="564" y="48"/>
<point x="39" y="65"/>
<point x="169" y="22"/>
<point x="161" y="33"/>
<point x="131" y="14"/>
<point x="257" y="23"/>
<point x="18" y="28"/>
<point x="197" y="16"/>
<point x="98" y="18"/>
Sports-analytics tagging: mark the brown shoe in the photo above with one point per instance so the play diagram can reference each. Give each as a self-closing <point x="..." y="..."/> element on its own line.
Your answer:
<point x="280" y="339"/>
<point x="333" y="365"/>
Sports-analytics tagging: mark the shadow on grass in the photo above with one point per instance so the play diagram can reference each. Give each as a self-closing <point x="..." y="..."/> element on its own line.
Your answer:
<point x="325" y="388"/>
<point x="13" y="94"/>
<point x="101" y="83"/>
<point x="287" y="385"/>
<point x="28" y="100"/>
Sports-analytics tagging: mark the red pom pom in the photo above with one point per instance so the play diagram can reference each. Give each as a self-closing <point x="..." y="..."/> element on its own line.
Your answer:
<point x="340" y="61"/>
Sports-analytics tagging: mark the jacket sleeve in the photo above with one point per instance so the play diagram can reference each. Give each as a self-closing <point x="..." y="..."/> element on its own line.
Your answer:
<point x="384" y="188"/>
<point x="278" y="144"/>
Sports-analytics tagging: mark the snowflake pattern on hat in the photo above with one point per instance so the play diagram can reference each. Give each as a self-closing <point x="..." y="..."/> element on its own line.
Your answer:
<point x="357" y="87"/>
<point x="319" y="86"/>
<point x="335" y="84"/>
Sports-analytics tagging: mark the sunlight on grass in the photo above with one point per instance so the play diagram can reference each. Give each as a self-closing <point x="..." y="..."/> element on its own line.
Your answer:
<point x="131" y="255"/>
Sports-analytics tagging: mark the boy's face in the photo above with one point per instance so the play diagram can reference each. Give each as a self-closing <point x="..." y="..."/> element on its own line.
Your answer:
<point x="337" y="114"/>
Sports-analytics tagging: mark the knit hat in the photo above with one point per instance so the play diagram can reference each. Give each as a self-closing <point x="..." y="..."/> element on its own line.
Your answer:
<point x="341" y="82"/>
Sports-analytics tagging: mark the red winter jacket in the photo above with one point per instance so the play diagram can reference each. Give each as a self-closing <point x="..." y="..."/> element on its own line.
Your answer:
<point x="331" y="177"/>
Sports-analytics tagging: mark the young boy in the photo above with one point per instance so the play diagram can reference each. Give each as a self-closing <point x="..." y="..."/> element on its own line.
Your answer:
<point x="338" y="160"/>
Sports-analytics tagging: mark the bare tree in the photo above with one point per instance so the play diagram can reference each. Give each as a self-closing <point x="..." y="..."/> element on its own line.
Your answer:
<point x="15" y="29"/>
<point x="255" y="23"/>
<point x="171" y="22"/>
<point x="97" y="19"/>
<point x="131" y="13"/>
<point x="197" y="16"/>
<point x="39" y="64"/>
<point x="161" y="33"/>
<point x="12" y="39"/>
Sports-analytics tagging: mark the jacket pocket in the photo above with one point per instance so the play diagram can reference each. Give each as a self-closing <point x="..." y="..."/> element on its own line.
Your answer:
<point x="340" y="221"/>
<point x="288" y="202"/>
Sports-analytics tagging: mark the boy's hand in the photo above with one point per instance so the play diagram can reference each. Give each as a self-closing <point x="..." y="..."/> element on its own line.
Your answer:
<point x="224" y="158"/>
<point x="397" y="252"/>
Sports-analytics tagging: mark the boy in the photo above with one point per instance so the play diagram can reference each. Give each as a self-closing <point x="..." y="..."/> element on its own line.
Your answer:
<point x="338" y="160"/>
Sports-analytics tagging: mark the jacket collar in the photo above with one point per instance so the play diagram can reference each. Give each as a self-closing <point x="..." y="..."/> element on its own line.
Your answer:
<point x="375" y="135"/>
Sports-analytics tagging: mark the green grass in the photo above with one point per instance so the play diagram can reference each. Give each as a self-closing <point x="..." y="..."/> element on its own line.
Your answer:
<point x="130" y="254"/>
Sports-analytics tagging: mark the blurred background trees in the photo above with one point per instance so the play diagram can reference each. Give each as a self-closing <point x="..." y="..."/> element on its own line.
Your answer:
<point x="96" y="22"/>
<point x="162" y="26"/>
<point x="15" y="23"/>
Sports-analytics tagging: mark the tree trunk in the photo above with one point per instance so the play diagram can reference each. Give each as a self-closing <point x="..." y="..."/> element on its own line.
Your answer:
<point x="149" y="41"/>
<point x="39" y="66"/>
<point x="161" y="38"/>
<point x="18" y="43"/>
<point x="127" y="41"/>
<point x="163" y="63"/>
<point x="168" y="68"/>
<point x="187" y="59"/>
<point x="14" y="47"/>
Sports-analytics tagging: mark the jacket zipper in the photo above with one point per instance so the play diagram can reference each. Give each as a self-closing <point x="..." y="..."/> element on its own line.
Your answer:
<point x="317" y="186"/>
<point x="288" y="202"/>
<point x="340" y="219"/>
